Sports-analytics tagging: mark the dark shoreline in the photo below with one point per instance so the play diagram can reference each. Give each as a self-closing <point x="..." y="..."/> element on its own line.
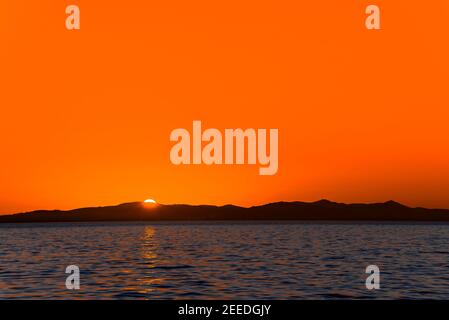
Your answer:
<point x="225" y="222"/>
<point x="322" y="211"/>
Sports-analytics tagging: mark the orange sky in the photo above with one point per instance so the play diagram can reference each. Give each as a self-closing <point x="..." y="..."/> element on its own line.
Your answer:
<point x="86" y="115"/>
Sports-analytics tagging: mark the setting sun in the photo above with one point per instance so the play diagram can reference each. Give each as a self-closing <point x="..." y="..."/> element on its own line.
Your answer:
<point x="149" y="201"/>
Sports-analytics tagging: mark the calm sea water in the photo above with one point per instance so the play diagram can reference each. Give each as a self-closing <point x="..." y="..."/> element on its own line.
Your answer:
<point x="223" y="260"/>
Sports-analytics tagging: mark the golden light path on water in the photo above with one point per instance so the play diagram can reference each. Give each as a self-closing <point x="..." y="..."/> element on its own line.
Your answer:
<point x="149" y="256"/>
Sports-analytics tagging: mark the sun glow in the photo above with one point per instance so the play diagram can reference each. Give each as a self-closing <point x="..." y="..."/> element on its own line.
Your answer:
<point x="150" y="203"/>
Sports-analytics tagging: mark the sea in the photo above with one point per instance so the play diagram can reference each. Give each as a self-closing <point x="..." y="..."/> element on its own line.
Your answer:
<point x="224" y="260"/>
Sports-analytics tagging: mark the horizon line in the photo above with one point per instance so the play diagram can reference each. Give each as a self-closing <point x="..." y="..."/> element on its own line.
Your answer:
<point x="227" y="204"/>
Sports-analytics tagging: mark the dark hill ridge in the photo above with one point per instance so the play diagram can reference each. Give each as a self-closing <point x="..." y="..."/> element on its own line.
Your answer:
<point x="314" y="211"/>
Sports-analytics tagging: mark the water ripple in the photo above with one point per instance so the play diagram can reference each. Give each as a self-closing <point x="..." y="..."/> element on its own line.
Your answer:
<point x="223" y="260"/>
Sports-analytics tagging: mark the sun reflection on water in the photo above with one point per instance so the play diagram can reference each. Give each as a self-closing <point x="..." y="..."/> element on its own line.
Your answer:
<point x="149" y="259"/>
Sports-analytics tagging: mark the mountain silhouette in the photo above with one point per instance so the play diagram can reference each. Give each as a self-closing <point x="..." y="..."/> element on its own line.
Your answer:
<point x="313" y="211"/>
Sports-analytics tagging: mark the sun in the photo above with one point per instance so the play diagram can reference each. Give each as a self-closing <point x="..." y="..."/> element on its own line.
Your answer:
<point x="150" y="203"/>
